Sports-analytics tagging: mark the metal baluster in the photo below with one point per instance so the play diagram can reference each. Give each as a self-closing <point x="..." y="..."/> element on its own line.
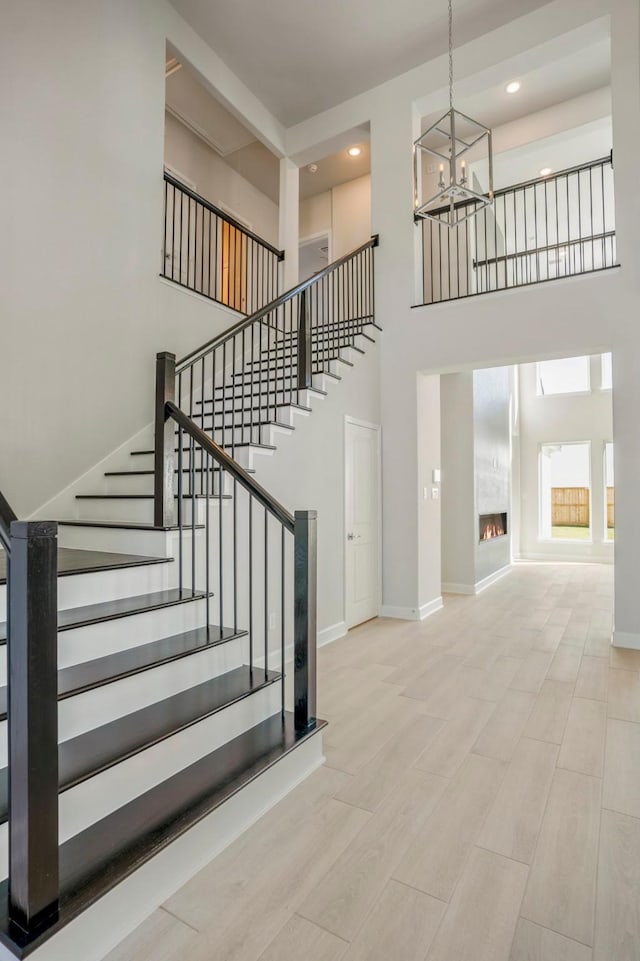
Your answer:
<point x="179" y="512"/>
<point x="250" y="526"/>
<point x="220" y="545"/>
<point x="207" y="549"/>
<point x="266" y="592"/>
<point x="192" y="481"/>
<point x="282" y="623"/>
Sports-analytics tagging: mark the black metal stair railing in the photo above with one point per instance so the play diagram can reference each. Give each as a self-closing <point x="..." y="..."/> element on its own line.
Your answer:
<point x="32" y="718"/>
<point x="254" y="562"/>
<point x="557" y="226"/>
<point x="237" y="382"/>
<point x="206" y="250"/>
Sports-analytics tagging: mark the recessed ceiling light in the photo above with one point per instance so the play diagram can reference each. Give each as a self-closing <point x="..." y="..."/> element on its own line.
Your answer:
<point x="313" y="168"/>
<point x="354" y="151"/>
<point x="545" y="171"/>
<point x="513" y="87"/>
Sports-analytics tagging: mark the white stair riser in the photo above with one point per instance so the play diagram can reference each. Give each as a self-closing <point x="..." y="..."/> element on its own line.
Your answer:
<point x="95" y="640"/>
<point x="98" y="796"/>
<point x="138" y="510"/>
<point x="120" y="540"/>
<point x="77" y="590"/>
<point x="89" y="710"/>
<point x="143" y="484"/>
<point x="93" y="708"/>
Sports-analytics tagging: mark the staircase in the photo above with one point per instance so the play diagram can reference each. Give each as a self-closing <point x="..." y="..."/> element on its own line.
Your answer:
<point x="183" y="592"/>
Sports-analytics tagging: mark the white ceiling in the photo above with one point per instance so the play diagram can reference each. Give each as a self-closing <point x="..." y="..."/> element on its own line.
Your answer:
<point x="301" y="58"/>
<point x="586" y="69"/>
<point x="336" y="169"/>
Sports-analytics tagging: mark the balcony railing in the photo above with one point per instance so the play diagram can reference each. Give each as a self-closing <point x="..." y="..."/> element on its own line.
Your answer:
<point x="207" y="251"/>
<point x="556" y="226"/>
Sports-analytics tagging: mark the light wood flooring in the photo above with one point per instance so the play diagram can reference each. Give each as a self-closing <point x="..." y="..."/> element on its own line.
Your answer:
<point x="480" y="799"/>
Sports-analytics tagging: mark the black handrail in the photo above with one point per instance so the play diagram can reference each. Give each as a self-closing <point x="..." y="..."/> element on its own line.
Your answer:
<point x="532" y="251"/>
<point x="222" y="215"/>
<point x="7" y="517"/>
<point x="220" y="455"/>
<point x="521" y="186"/>
<point x="278" y="302"/>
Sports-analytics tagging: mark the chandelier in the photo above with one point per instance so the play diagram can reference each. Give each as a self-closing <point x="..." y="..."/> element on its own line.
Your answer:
<point x="448" y="140"/>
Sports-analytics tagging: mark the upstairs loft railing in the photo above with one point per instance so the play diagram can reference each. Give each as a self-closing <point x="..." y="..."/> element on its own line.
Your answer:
<point x="551" y="227"/>
<point x="264" y="362"/>
<point x="209" y="252"/>
<point x="30" y="550"/>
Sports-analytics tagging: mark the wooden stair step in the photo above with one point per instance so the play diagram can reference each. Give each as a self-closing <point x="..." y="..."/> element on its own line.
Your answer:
<point x="96" y="750"/>
<point x="133" y="660"/>
<point x="123" y="607"/>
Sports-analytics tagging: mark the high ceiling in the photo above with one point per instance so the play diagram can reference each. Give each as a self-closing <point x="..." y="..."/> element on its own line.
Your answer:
<point x="301" y="58"/>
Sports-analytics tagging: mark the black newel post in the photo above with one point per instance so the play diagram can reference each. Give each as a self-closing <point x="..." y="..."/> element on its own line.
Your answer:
<point x="32" y="713"/>
<point x="305" y="567"/>
<point x="165" y="441"/>
<point x="304" y="343"/>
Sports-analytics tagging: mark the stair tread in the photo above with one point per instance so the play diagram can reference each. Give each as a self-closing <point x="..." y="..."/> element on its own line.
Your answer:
<point x="185" y="470"/>
<point x="94" y="751"/>
<point x="112" y="610"/>
<point x="78" y="678"/>
<point x="72" y="560"/>
<point x="240" y="410"/>
<point x="140" y="497"/>
<point x="121" y="525"/>
<point x="91" y="863"/>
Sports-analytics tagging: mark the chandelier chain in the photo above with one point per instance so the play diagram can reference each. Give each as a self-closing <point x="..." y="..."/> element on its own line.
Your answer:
<point x="451" y="54"/>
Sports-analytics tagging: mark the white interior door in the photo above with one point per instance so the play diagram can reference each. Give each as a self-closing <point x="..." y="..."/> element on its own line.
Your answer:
<point x="362" y="521"/>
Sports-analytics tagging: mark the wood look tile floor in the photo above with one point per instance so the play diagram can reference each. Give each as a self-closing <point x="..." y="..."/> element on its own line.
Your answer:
<point x="480" y="799"/>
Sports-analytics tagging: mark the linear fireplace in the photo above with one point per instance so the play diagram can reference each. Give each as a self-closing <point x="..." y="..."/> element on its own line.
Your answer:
<point x="492" y="526"/>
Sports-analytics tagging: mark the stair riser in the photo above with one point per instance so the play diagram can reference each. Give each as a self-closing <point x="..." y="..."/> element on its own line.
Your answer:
<point x="105" y="637"/>
<point x="139" y="510"/>
<point x="276" y="367"/>
<point x="143" y="483"/>
<point x="76" y="590"/>
<point x="149" y="543"/>
<point x="89" y="710"/>
<point x="249" y="384"/>
<point x="96" y="797"/>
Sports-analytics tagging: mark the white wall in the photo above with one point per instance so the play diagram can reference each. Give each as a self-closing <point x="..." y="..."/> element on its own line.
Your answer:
<point x="307" y="473"/>
<point x="217" y="182"/>
<point x="83" y="308"/>
<point x="429" y="507"/>
<point x="458" y="509"/>
<point x="344" y="211"/>
<point x="560" y="418"/>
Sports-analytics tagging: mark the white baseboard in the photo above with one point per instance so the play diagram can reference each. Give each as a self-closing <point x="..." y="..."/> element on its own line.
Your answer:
<point x="449" y="587"/>
<point x="413" y="613"/>
<point x="332" y="633"/>
<point x="623" y="639"/>
<point x="492" y="578"/>
<point x="99" y="929"/>
<point x="477" y="588"/>
<point x="555" y="558"/>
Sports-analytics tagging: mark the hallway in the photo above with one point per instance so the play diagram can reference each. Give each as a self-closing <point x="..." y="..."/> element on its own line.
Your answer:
<point x="480" y="799"/>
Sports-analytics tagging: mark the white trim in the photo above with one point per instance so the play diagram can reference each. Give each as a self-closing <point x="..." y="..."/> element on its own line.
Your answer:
<point x="561" y="558"/>
<point x="448" y="587"/>
<point x="480" y="586"/>
<point x="413" y="613"/>
<point x="431" y="607"/>
<point x="629" y="641"/>
<point x="377" y="428"/>
<point x="309" y="239"/>
<point x="236" y="315"/>
<point x="332" y="633"/>
<point x="492" y="578"/>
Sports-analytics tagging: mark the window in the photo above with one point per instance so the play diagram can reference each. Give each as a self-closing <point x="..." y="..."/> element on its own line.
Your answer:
<point x="570" y="375"/>
<point x="565" y="491"/>
<point x="609" y="490"/>
<point x="606" y="381"/>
